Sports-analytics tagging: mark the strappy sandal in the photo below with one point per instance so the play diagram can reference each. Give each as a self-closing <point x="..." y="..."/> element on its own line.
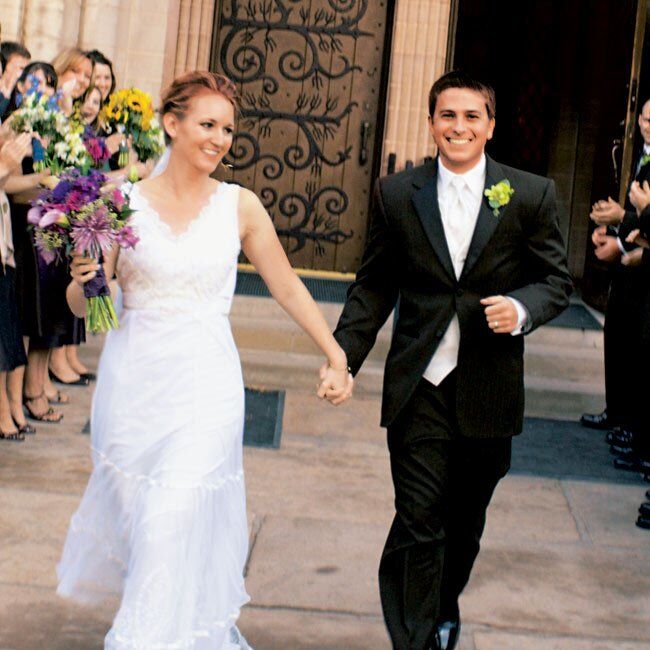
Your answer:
<point x="12" y="437"/>
<point x="41" y="417"/>
<point x="59" y="398"/>
<point x="26" y="429"/>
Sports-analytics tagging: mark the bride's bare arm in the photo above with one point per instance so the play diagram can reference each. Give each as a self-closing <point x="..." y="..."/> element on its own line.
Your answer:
<point x="261" y="245"/>
<point x="83" y="269"/>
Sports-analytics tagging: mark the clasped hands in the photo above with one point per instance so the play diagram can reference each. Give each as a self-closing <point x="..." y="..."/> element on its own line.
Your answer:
<point x="336" y="384"/>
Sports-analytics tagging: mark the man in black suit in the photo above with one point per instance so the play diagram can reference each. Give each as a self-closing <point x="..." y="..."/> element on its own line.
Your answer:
<point x="626" y="315"/>
<point x="471" y="272"/>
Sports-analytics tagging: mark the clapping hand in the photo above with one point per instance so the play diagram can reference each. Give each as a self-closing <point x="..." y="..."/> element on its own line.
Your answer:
<point x="607" y="249"/>
<point x="640" y="195"/>
<point x="635" y="237"/>
<point x="13" y="151"/>
<point x="607" y="213"/>
<point x="633" y="258"/>
<point x="336" y="384"/>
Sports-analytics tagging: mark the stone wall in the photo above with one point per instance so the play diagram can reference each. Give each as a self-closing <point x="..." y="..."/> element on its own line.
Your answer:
<point x="149" y="41"/>
<point x="418" y="58"/>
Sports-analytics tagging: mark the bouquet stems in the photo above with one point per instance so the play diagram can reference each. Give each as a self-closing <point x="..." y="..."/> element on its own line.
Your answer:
<point x="100" y="313"/>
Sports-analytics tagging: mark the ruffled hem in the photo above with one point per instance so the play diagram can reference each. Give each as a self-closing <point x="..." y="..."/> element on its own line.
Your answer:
<point x="116" y="641"/>
<point x="103" y="459"/>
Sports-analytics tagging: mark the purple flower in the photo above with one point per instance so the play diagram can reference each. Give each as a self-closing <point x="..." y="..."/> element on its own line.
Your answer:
<point x="93" y="234"/>
<point x="34" y="215"/>
<point x="60" y="192"/>
<point x="46" y="254"/>
<point x="126" y="237"/>
<point x="53" y="217"/>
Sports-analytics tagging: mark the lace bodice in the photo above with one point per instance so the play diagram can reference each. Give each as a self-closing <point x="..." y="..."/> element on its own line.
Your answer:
<point x="194" y="270"/>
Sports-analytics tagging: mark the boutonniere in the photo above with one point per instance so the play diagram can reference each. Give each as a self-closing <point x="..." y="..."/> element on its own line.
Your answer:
<point x="645" y="159"/>
<point x="499" y="195"/>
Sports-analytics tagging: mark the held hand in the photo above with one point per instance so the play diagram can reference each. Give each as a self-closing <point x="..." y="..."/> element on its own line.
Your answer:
<point x="633" y="258"/>
<point x="635" y="237"/>
<point x="607" y="213"/>
<point x="599" y="236"/>
<point x="640" y="195"/>
<point x="609" y="250"/>
<point x="336" y="384"/>
<point x="83" y="269"/>
<point x="501" y="314"/>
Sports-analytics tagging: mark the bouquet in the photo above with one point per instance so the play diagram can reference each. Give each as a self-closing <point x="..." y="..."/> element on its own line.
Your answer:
<point x="84" y="215"/>
<point x="96" y="148"/>
<point x="130" y="112"/>
<point x="61" y="144"/>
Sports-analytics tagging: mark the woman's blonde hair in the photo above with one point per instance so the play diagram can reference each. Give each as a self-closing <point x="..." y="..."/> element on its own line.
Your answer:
<point x="67" y="59"/>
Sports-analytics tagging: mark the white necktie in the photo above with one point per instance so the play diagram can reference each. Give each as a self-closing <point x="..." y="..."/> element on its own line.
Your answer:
<point x="458" y="227"/>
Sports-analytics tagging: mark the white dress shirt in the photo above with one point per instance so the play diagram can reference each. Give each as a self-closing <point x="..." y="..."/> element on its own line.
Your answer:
<point x="459" y="199"/>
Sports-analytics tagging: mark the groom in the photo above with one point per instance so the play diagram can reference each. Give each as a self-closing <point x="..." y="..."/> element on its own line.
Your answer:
<point x="472" y="273"/>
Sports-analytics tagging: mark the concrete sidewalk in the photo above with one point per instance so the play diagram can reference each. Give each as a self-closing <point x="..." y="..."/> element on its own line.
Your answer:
<point x="562" y="566"/>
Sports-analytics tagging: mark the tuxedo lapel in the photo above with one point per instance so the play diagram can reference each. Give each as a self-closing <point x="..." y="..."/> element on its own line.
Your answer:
<point x="486" y="222"/>
<point x="425" y="200"/>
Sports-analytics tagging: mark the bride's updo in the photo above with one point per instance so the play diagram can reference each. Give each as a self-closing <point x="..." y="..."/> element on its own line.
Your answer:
<point x="176" y="97"/>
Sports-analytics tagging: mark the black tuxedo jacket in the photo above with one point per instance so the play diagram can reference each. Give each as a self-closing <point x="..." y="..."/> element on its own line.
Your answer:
<point x="519" y="253"/>
<point x="630" y="220"/>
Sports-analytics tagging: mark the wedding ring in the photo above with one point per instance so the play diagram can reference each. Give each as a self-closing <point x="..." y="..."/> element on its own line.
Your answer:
<point x="496" y="323"/>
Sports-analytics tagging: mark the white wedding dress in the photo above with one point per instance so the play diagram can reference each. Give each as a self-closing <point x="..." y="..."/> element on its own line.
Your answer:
<point x="163" y="520"/>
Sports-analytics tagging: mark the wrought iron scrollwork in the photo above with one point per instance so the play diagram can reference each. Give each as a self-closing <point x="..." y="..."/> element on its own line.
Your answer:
<point x="253" y="31"/>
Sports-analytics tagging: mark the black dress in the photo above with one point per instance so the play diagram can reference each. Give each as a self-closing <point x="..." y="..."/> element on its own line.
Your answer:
<point x="41" y="288"/>
<point x="12" y="352"/>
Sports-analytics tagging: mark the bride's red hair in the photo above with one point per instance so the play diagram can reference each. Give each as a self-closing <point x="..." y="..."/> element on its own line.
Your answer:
<point x="176" y="97"/>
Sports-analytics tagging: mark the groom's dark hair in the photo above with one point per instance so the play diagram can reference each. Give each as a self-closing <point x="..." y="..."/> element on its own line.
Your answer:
<point x="459" y="79"/>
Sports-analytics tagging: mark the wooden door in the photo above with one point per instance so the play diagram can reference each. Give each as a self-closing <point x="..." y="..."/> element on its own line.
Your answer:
<point x="309" y="74"/>
<point x="631" y="117"/>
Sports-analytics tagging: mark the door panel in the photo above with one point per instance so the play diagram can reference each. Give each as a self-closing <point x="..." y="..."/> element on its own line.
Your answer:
<point x="309" y="75"/>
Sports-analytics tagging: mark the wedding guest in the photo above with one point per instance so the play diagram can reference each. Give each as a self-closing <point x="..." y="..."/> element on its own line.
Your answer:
<point x="12" y="352"/>
<point x="625" y="316"/>
<point x="91" y="104"/>
<point x="41" y="71"/>
<point x="102" y="73"/>
<point x="74" y="70"/>
<point x="13" y="57"/>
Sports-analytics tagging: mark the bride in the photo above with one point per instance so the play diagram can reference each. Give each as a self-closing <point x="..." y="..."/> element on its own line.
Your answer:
<point x="163" y="523"/>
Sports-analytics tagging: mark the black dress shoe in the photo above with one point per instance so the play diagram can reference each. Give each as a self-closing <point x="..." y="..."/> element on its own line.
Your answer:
<point x="619" y="436"/>
<point x="449" y="633"/>
<point x="644" y="509"/>
<point x="596" y="420"/>
<point x="435" y="642"/>
<point x="632" y="463"/>
<point x="647" y="495"/>
<point x="643" y="522"/>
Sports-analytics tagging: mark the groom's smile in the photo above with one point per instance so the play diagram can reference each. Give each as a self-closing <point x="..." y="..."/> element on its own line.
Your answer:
<point x="460" y="126"/>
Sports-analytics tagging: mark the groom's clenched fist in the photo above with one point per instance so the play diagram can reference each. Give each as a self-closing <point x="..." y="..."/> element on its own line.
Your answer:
<point x="501" y="314"/>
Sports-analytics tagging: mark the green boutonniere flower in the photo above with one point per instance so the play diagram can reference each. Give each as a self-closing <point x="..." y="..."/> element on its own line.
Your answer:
<point x="499" y="195"/>
<point x="645" y="159"/>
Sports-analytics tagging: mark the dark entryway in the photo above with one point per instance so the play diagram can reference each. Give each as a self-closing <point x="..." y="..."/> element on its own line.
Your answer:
<point x="561" y="70"/>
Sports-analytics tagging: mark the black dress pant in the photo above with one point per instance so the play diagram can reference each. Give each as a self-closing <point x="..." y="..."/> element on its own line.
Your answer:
<point x="623" y="329"/>
<point x="443" y="485"/>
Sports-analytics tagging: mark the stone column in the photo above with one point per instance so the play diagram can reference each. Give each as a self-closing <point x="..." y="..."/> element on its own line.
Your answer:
<point x="418" y="58"/>
<point x="195" y="23"/>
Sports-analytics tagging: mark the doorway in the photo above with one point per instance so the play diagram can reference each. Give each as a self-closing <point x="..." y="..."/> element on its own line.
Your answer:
<point x="561" y="97"/>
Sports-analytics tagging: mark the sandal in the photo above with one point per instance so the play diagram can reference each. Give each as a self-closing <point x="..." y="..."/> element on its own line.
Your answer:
<point x="27" y="429"/>
<point x="13" y="437"/>
<point x="41" y="417"/>
<point x="59" y="398"/>
<point x="82" y="381"/>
